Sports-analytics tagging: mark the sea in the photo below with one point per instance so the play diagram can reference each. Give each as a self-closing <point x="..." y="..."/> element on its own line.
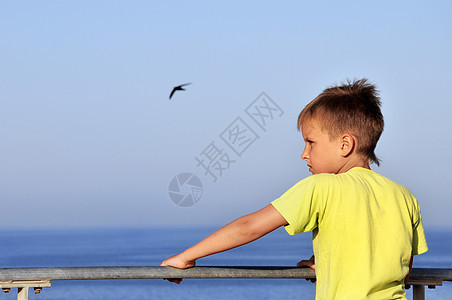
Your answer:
<point x="150" y="246"/>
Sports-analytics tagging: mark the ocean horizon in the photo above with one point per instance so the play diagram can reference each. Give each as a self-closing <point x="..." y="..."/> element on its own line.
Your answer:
<point x="149" y="246"/>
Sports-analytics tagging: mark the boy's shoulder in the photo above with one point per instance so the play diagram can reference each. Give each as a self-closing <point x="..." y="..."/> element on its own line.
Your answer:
<point x="355" y="176"/>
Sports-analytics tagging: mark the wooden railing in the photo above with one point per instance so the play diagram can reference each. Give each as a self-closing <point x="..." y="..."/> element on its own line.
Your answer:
<point x="25" y="278"/>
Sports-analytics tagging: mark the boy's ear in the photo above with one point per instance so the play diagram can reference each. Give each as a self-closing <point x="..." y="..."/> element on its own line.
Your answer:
<point x="347" y="145"/>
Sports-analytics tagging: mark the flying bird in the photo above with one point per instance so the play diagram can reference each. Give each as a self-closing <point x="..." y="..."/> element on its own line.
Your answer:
<point x="178" y="88"/>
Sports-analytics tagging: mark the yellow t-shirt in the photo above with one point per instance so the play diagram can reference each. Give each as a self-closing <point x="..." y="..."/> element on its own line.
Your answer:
<point x="365" y="229"/>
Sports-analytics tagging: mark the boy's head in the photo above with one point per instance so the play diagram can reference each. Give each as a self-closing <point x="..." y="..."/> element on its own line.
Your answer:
<point x="353" y="109"/>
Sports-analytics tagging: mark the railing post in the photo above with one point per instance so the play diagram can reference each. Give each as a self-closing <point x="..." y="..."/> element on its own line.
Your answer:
<point x="418" y="292"/>
<point x="23" y="287"/>
<point x="22" y="293"/>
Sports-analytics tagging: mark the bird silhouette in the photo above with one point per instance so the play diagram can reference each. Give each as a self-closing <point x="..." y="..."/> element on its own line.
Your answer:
<point x="178" y="88"/>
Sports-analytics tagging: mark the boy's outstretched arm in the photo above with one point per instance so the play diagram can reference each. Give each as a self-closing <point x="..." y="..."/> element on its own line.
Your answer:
<point x="239" y="232"/>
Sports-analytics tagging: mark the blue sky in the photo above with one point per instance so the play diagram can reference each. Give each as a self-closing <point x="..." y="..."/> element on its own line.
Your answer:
<point x="89" y="137"/>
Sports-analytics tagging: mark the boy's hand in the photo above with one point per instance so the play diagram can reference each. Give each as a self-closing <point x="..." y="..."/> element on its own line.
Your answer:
<point x="177" y="261"/>
<point x="308" y="263"/>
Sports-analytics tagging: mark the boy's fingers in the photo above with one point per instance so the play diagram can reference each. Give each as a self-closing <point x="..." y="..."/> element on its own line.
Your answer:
<point x="306" y="263"/>
<point x="310" y="264"/>
<point x="175" y="280"/>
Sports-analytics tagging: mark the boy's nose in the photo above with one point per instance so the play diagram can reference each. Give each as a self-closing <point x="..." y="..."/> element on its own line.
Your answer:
<point x="304" y="155"/>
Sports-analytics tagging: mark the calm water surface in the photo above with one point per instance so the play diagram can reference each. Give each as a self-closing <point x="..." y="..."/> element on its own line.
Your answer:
<point x="148" y="247"/>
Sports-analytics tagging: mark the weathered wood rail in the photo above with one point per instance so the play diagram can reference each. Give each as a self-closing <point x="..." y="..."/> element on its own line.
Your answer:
<point x="25" y="278"/>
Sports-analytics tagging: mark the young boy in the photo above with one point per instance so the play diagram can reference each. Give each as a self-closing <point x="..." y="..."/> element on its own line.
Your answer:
<point x="365" y="227"/>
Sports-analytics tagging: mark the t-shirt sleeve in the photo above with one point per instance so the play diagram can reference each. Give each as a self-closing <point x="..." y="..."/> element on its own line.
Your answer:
<point x="300" y="206"/>
<point x="419" y="241"/>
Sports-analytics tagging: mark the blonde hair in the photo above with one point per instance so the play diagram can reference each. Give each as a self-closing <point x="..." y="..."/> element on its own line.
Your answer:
<point x="353" y="107"/>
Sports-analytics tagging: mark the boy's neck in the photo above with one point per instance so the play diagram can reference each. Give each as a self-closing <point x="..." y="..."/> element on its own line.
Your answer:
<point x="354" y="164"/>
